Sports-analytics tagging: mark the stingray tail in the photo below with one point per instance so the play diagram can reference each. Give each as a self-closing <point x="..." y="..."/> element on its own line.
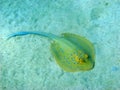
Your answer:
<point x="22" y="33"/>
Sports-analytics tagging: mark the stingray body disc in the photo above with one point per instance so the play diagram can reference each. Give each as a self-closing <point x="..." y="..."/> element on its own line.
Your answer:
<point x="73" y="53"/>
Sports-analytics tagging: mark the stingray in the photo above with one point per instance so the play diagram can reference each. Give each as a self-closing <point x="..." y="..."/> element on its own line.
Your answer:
<point x="73" y="53"/>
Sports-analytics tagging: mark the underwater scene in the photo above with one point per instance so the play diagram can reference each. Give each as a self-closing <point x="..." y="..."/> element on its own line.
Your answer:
<point x="59" y="44"/>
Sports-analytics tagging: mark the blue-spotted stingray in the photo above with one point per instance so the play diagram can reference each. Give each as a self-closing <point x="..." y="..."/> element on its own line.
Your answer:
<point x="72" y="52"/>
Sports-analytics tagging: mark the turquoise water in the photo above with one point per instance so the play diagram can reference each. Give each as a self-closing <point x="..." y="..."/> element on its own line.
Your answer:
<point x="26" y="62"/>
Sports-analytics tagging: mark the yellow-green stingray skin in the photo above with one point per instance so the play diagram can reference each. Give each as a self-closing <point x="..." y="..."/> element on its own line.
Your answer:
<point x="73" y="53"/>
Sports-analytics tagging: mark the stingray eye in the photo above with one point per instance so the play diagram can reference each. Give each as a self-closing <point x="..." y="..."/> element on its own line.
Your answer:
<point x="79" y="60"/>
<point x="86" y="56"/>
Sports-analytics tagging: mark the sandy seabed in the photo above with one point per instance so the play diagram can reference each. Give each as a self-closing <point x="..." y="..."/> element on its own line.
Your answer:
<point x="26" y="62"/>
